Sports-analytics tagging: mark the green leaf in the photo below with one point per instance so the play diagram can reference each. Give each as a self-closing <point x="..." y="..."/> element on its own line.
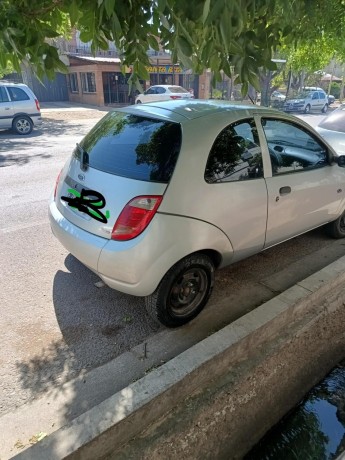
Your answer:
<point x="109" y="6"/>
<point x="161" y="5"/>
<point x="216" y="11"/>
<point x="206" y="10"/>
<point x="164" y="21"/>
<point x="73" y="12"/>
<point x="153" y="42"/>
<point x="142" y="71"/>
<point x="184" y="46"/>
<point x="225" y="30"/>
<point x="116" y="26"/>
<point x="254" y="81"/>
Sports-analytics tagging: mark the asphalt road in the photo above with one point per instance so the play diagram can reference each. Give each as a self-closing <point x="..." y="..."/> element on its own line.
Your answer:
<point x="55" y="322"/>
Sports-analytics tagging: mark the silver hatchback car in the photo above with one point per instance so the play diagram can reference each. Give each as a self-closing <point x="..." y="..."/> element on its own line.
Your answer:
<point x="157" y="196"/>
<point x="19" y="108"/>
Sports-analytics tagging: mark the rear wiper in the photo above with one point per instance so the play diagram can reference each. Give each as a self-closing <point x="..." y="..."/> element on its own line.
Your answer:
<point x="84" y="158"/>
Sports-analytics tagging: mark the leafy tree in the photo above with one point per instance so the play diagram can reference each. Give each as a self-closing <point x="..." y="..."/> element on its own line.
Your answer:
<point x="228" y="35"/>
<point x="6" y="70"/>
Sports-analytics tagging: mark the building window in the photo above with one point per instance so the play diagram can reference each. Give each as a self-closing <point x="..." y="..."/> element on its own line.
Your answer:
<point x="88" y="82"/>
<point x="73" y="81"/>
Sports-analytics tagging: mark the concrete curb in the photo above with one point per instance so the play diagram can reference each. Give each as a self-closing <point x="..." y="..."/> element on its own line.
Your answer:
<point x="127" y="413"/>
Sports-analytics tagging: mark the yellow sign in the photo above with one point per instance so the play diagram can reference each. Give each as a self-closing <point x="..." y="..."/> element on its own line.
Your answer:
<point x="164" y="69"/>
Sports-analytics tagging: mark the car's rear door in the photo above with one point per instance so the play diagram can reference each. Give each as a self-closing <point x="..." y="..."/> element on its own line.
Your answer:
<point x="304" y="190"/>
<point x="323" y="99"/>
<point x="6" y="109"/>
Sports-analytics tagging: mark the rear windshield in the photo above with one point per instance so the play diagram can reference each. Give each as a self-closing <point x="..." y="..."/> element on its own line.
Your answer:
<point x="335" y="121"/>
<point x="177" y="89"/>
<point x="132" y="146"/>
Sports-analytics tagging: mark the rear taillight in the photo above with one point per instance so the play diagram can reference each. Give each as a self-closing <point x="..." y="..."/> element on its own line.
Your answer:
<point x="175" y="97"/>
<point x="37" y="105"/>
<point x="135" y="217"/>
<point x="57" y="183"/>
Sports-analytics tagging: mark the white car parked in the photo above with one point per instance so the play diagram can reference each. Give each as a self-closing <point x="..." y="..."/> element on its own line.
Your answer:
<point x="19" y="108"/>
<point x="307" y="101"/>
<point x="163" y="93"/>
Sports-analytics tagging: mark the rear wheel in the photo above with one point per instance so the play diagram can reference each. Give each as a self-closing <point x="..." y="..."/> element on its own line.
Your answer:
<point x="325" y="108"/>
<point x="138" y="102"/>
<point x="22" y="125"/>
<point x="183" y="291"/>
<point x="336" y="229"/>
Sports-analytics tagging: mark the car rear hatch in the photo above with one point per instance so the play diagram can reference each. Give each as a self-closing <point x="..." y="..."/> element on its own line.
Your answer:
<point x="123" y="157"/>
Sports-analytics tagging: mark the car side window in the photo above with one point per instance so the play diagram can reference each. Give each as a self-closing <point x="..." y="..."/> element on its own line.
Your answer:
<point x="17" y="94"/>
<point x="315" y="96"/>
<point x="151" y="91"/>
<point x="292" y="148"/>
<point x="322" y="95"/>
<point x="160" y="90"/>
<point x="3" y="95"/>
<point x="235" y="155"/>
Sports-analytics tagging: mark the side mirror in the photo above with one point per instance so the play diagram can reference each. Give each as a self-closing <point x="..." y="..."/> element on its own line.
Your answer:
<point x="340" y="161"/>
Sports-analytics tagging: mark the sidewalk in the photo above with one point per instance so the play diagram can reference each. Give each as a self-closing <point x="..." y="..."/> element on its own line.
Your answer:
<point x="240" y="380"/>
<point x="74" y="106"/>
<point x="70" y="111"/>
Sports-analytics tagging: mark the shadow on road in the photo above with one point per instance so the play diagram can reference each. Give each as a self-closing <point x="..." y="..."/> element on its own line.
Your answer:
<point x="46" y="135"/>
<point x="97" y="325"/>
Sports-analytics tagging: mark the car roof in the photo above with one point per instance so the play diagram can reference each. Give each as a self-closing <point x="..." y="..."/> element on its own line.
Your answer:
<point x="167" y="86"/>
<point x="10" y="83"/>
<point x="193" y="108"/>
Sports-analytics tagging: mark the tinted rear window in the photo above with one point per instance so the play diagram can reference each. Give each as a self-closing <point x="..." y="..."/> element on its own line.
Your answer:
<point x="134" y="147"/>
<point x="335" y="121"/>
<point x="177" y="89"/>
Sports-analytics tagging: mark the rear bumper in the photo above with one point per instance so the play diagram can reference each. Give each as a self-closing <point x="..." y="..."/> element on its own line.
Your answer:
<point x="137" y="266"/>
<point x="83" y="245"/>
<point x="131" y="266"/>
<point x="37" y="120"/>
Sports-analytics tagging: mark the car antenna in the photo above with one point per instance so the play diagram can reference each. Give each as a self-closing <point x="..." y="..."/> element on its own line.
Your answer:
<point x="251" y="99"/>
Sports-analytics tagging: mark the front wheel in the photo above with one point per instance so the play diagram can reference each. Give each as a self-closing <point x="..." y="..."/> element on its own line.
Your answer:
<point x="336" y="229"/>
<point x="325" y="108"/>
<point x="138" y="102"/>
<point x="183" y="291"/>
<point x="307" y="109"/>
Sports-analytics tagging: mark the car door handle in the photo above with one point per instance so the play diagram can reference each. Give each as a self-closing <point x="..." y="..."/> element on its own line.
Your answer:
<point x="284" y="190"/>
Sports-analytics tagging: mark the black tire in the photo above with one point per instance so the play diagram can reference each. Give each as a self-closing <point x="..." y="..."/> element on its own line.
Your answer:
<point x="325" y="108"/>
<point x="138" y="102"/>
<point x="183" y="291"/>
<point x="307" y="109"/>
<point x="336" y="229"/>
<point x="22" y="125"/>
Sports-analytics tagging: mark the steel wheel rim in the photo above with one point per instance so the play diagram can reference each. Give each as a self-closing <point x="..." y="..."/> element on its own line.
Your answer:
<point x="23" y="126"/>
<point x="188" y="291"/>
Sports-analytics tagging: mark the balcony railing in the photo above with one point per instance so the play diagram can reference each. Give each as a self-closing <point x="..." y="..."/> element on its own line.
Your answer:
<point x="85" y="50"/>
